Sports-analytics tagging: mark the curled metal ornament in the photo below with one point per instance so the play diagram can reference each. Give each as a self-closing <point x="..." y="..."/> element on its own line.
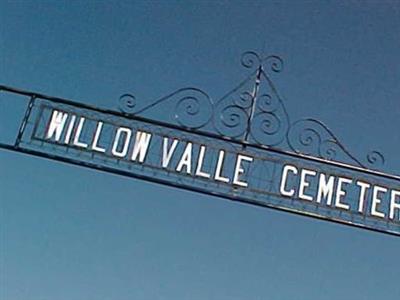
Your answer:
<point x="252" y="109"/>
<point x="268" y="129"/>
<point x="268" y="102"/>
<point x="273" y="63"/>
<point x="193" y="109"/>
<point x="245" y="100"/>
<point x="231" y="121"/>
<point x="250" y="60"/>
<point x="270" y="123"/>
<point x="303" y="139"/>
<point x="375" y="159"/>
<point x="311" y="137"/>
<point x="127" y="103"/>
<point x="232" y="111"/>
<point x="329" y="149"/>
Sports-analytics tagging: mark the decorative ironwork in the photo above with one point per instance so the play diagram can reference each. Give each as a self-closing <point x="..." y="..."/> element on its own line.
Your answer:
<point x="193" y="107"/>
<point x="253" y="113"/>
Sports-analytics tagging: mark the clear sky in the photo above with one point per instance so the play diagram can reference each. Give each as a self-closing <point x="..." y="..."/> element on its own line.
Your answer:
<point x="70" y="233"/>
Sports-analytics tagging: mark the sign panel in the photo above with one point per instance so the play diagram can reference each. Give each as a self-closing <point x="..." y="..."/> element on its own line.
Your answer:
<point x="203" y="163"/>
<point x="231" y="162"/>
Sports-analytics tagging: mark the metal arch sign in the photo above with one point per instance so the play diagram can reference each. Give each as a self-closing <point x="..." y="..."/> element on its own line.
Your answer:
<point x="243" y="148"/>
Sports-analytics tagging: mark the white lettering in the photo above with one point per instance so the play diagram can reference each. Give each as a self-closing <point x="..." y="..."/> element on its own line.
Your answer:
<point x="285" y="171"/>
<point x="127" y="132"/>
<point x="200" y="161"/>
<point x="56" y="125"/>
<point x="69" y="130"/>
<point x="142" y="142"/>
<point x="76" y="141"/>
<point x="341" y="193"/>
<point x="239" y="170"/>
<point x="376" y="201"/>
<point x="167" y="153"/>
<point x="363" y="191"/>
<point x="186" y="159"/>
<point x="304" y="184"/>
<point x="95" y="145"/>
<point x="218" y="171"/>
<point x="325" y="188"/>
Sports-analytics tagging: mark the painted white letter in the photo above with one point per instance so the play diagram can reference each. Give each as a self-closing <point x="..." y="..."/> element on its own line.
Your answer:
<point x="340" y="193"/>
<point x="95" y="147"/>
<point x="69" y="130"/>
<point x="325" y="188"/>
<point x="239" y="170"/>
<point x="304" y="183"/>
<point x="285" y="171"/>
<point x="218" y="170"/>
<point x="142" y="142"/>
<point x="167" y="154"/>
<point x="186" y="159"/>
<point x="78" y="132"/>
<point x="200" y="160"/>
<point x="376" y="201"/>
<point x="56" y="125"/>
<point x="363" y="191"/>
<point x="124" y="150"/>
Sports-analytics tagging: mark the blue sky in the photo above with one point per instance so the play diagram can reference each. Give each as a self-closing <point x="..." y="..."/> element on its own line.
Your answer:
<point x="69" y="233"/>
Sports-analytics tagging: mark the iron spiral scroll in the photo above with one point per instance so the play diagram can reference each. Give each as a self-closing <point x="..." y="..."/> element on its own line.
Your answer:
<point x="252" y="113"/>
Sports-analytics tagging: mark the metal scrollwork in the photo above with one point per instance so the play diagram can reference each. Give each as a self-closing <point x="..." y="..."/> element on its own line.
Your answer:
<point x="232" y="112"/>
<point x="303" y="138"/>
<point x="312" y="137"/>
<point x="267" y="103"/>
<point x="231" y="121"/>
<point x="244" y="100"/>
<point x="273" y="63"/>
<point x="127" y="103"/>
<point x="330" y="149"/>
<point x="251" y="60"/>
<point x="268" y="129"/>
<point x="375" y="159"/>
<point x="271" y="122"/>
<point x="254" y="113"/>
<point x="193" y="107"/>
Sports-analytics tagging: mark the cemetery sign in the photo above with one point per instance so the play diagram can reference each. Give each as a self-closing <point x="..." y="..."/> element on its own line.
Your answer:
<point x="242" y="147"/>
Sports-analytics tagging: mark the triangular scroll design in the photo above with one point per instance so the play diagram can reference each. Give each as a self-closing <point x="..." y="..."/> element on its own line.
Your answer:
<point x="252" y="113"/>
